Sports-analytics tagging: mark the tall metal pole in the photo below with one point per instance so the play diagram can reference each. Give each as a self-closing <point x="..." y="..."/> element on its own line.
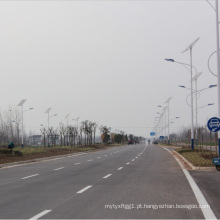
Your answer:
<point x="196" y="109"/>
<point x="192" y="129"/>
<point x="191" y="70"/>
<point x="21" y="103"/>
<point x="48" y="141"/>
<point x="168" y="120"/>
<point x="196" y="137"/>
<point x="218" y="67"/>
<point x="48" y="118"/>
<point x="168" y="123"/>
<point x="22" y="127"/>
<point x="162" y="126"/>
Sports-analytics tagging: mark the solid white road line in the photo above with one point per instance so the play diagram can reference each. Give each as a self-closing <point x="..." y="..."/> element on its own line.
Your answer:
<point x="107" y="176"/>
<point x="76" y="164"/>
<point x="207" y="212"/>
<point x="84" y="189"/>
<point x="120" y="168"/>
<point x="29" y="176"/>
<point x="40" y="214"/>
<point x="127" y="163"/>
<point x="59" y="168"/>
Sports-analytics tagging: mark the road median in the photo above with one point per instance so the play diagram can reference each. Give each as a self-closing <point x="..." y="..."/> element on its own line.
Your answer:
<point x="192" y="159"/>
<point x="30" y="155"/>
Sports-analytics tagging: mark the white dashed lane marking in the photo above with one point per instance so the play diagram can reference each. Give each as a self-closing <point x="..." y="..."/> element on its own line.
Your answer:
<point x="59" y="168"/>
<point x="40" y="214"/>
<point x="107" y="176"/>
<point x="84" y="189"/>
<point x="29" y="176"/>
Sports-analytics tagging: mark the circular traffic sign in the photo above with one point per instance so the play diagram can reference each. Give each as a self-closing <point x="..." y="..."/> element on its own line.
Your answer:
<point x="214" y="124"/>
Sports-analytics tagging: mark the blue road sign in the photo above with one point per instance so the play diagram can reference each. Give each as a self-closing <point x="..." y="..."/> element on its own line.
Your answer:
<point x="161" y="137"/>
<point x="152" y="133"/>
<point x="214" y="124"/>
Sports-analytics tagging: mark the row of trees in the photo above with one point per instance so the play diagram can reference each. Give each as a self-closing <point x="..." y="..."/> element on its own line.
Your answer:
<point x="84" y="135"/>
<point x="68" y="135"/>
<point x="63" y="135"/>
<point x="10" y="126"/>
<point x="204" y="141"/>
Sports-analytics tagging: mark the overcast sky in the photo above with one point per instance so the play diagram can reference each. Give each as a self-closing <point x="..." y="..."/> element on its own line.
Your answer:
<point x="104" y="60"/>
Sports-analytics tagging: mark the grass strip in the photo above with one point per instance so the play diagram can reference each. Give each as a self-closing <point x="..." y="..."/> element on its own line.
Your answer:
<point x="196" y="157"/>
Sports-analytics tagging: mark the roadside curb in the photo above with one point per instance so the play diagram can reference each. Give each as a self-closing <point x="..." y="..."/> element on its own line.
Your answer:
<point x="187" y="163"/>
<point x="192" y="167"/>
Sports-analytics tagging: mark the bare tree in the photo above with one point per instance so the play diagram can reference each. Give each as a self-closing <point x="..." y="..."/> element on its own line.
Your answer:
<point x="94" y="128"/>
<point x="44" y="132"/>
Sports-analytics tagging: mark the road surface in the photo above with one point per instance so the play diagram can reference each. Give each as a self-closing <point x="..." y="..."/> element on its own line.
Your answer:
<point x="129" y="182"/>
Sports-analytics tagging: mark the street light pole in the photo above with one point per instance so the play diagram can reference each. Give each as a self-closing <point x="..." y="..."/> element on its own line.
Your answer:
<point x="67" y="128"/>
<point x="195" y="78"/>
<point x="22" y="128"/>
<point x="21" y="103"/>
<point x="218" y="66"/>
<point x="67" y="116"/>
<point x="218" y="62"/>
<point x="191" y="70"/>
<point x="168" y="110"/>
<point x="48" y="112"/>
<point x="48" y="124"/>
<point x="77" y="138"/>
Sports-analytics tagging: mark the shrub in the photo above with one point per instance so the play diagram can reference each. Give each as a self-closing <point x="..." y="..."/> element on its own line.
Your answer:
<point x="6" y="151"/>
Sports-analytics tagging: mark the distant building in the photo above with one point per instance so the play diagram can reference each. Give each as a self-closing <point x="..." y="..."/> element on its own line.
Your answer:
<point x="54" y="139"/>
<point x="35" y="140"/>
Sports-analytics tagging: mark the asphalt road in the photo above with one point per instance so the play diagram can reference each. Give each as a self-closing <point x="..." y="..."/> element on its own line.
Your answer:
<point x="128" y="182"/>
<point x="208" y="182"/>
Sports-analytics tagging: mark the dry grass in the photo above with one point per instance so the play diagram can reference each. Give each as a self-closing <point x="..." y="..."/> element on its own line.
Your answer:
<point x="196" y="157"/>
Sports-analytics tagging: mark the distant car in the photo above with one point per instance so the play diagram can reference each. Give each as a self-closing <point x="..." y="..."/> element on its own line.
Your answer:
<point x="130" y="142"/>
<point x="155" y="142"/>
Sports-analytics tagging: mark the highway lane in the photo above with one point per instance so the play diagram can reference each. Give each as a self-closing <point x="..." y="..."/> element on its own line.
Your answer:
<point x="153" y="178"/>
<point x="9" y="174"/>
<point x="91" y="185"/>
<point x="51" y="186"/>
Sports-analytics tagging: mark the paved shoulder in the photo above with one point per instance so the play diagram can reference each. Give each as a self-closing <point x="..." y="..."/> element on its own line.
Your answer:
<point x="208" y="182"/>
